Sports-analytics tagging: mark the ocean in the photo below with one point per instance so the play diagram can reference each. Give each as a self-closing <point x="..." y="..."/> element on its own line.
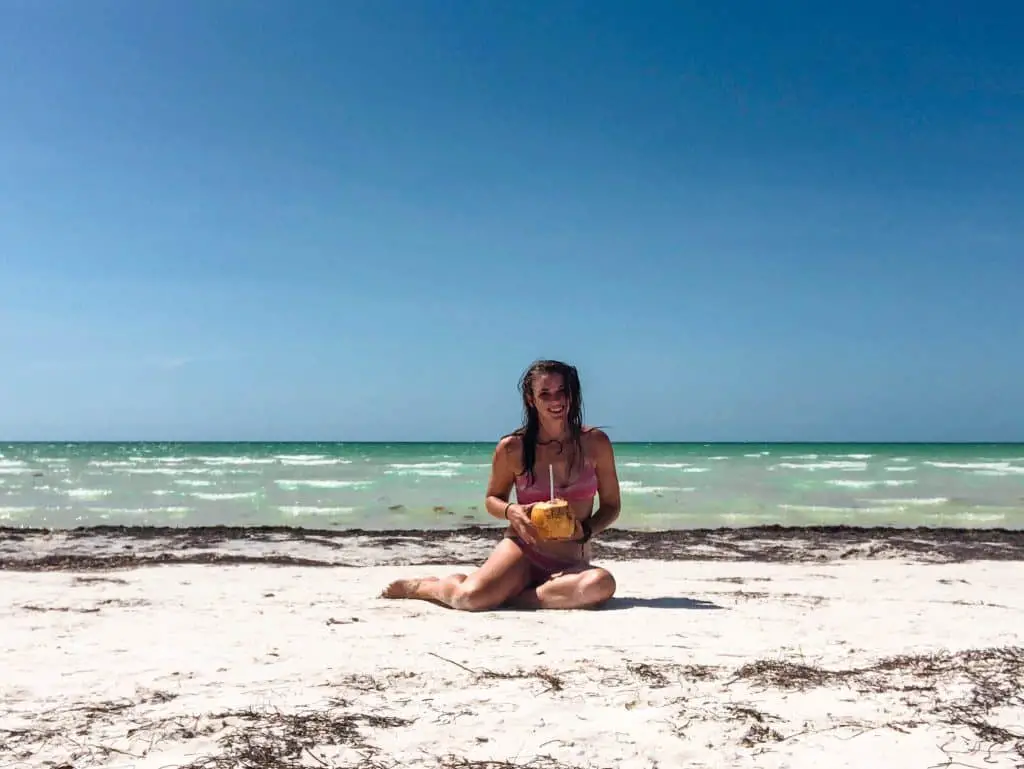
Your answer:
<point x="441" y="485"/>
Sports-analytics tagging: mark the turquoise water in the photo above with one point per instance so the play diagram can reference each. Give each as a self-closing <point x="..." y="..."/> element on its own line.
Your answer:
<point x="441" y="485"/>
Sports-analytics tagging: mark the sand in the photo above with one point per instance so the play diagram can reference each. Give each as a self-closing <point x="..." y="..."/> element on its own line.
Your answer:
<point x="280" y="657"/>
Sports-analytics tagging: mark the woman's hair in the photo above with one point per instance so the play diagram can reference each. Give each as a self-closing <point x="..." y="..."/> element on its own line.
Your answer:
<point x="530" y="429"/>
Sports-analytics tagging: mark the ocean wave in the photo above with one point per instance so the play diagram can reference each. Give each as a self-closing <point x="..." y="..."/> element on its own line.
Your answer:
<point x="136" y="470"/>
<point x="967" y="517"/>
<point x="88" y="493"/>
<point x="659" y="465"/>
<point x="900" y="469"/>
<point x="295" y="484"/>
<point x="213" y="496"/>
<point x="818" y="508"/>
<point x="868" y="484"/>
<point x="424" y="465"/>
<point x="997" y="469"/>
<point x="297" y="510"/>
<point x="424" y="473"/>
<point x="140" y="510"/>
<point x="193" y="482"/>
<point x="8" y="511"/>
<point x="912" y="501"/>
<point x="14" y="467"/>
<point x="827" y="465"/>
<point x="241" y="461"/>
<point x="312" y="461"/>
<point x="636" y="487"/>
<point x="875" y="509"/>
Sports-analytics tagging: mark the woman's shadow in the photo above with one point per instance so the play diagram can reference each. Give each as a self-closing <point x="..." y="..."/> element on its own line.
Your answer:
<point x="664" y="602"/>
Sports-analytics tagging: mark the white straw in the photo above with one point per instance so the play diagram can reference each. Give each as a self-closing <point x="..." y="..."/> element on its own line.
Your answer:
<point x="551" y="476"/>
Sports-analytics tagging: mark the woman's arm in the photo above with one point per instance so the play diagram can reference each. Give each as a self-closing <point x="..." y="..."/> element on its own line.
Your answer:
<point x="499" y="485"/>
<point x="609" y="495"/>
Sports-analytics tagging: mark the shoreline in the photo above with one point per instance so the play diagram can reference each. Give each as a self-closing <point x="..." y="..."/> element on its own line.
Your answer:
<point x="120" y="547"/>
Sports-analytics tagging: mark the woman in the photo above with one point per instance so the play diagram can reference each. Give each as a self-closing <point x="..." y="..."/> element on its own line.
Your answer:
<point x="523" y="570"/>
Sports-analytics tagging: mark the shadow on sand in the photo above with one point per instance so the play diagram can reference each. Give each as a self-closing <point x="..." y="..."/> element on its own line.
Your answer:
<point x="665" y="602"/>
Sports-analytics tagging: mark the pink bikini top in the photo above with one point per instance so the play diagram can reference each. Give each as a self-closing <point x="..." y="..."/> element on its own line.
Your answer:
<point x="582" y="489"/>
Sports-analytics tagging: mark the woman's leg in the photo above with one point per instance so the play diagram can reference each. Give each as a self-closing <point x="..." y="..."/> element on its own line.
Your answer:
<point x="582" y="587"/>
<point x="504" y="574"/>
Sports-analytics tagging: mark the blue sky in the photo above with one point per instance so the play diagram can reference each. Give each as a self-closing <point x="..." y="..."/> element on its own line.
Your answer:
<point x="362" y="220"/>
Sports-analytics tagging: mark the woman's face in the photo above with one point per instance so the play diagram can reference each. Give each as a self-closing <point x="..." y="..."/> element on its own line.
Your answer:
<point x="550" y="397"/>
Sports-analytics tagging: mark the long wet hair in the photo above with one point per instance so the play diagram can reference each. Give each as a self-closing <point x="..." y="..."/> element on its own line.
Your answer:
<point x="530" y="429"/>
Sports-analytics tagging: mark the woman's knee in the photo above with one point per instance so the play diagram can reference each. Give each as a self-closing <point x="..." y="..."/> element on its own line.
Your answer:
<point x="477" y="595"/>
<point x="469" y="596"/>
<point x="597" y="585"/>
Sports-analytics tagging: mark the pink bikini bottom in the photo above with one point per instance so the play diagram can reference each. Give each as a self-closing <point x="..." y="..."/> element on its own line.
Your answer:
<point x="543" y="566"/>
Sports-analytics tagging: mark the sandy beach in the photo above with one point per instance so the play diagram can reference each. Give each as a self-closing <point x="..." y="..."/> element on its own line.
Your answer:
<point x="768" y="648"/>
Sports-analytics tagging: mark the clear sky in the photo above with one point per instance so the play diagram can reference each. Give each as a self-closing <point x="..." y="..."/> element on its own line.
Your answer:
<point x="362" y="219"/>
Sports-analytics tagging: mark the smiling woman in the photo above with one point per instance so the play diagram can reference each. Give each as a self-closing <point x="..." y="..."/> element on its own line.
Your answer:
<point x="528" y="569"/>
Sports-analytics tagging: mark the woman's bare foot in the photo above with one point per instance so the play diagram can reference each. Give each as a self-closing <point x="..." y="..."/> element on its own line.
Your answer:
<point x="406" y="588"/>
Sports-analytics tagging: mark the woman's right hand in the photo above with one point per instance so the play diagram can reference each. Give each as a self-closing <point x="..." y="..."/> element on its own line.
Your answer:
<point x="519" y="517"/>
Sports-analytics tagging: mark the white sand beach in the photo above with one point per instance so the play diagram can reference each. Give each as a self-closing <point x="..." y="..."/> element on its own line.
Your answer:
<point x="853" y="662"/>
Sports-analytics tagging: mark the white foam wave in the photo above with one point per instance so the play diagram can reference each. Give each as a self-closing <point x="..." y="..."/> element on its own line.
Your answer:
<point x="872" y="510"/>
<point x="8" y="511"/>
<point x="14" y="467"/>
<point x="192" y="482"/>
<point x="970" y="517"/>
<point x="913" y="501"/>
<point x="424" y="465"/>
<point x="818" y="508"/>
<point x="109" y="463"/>
<point x="659" y="465"/>
<point x="828" y="465"/>
<point x="425" y="472"/>
<point x="294" y="485"/>
<point x="636" y="487"/>
<point x="981" y="468"/>
<point x="799" y="456"/>
<point x="868" y="484"/>
<point x="297" y="510"/>
<point x="311" y="461"/>
<point x="223" y="495"/>
<point x="136" y="470"/>
<point x="900" y="469"/>
<point x="853" y="484"/>
<point x="236" y="460"/>
<point x="140" y="510"/>
<point x="88" y="493"/>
